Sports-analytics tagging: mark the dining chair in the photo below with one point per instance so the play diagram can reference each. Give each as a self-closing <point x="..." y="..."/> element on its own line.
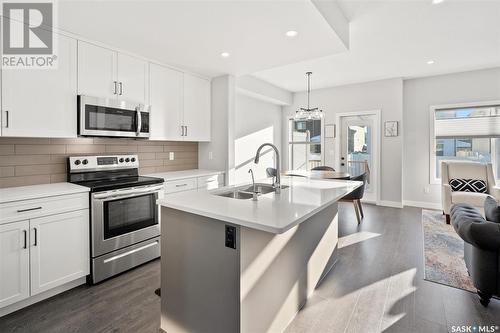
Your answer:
<point x="323" y="168"/>
<point x="356" y="196"/>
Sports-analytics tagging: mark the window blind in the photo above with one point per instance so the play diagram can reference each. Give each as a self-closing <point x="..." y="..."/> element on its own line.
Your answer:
<point x="468" y="127"/>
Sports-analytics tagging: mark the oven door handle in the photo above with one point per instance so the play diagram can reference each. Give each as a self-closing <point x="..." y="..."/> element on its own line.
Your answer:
<point x="127" y="193"/>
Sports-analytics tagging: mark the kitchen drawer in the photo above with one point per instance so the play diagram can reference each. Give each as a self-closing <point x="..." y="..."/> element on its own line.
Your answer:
<point x="180" y="185"/>
<point x="210" y="182"/>
<point x="27" y="209"/>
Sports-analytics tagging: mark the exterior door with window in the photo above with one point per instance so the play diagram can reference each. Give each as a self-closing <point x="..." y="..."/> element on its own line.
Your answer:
<point x="358" y="149"/>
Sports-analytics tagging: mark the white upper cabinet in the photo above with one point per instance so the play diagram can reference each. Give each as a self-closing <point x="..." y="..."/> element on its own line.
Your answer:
<point x="96" y="71"/>
<point x="197" y="114"/>
<point x="42" y="103"/>
<point x="14" y="262"/>
<point x="196" y="108"/>
<point x="106" y="73"/>
<point x="132" y="78"/>
<point x="166" y="98"/>
<point x="180" y="105"/>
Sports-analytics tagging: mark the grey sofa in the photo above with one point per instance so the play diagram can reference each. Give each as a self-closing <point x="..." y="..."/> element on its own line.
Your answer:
<point x="482" y="245"/>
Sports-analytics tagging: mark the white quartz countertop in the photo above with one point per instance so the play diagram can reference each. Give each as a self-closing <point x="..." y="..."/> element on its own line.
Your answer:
<point x="275" y="213"/>
<point x="39" y="191"/>
<point x="176" y="175"/>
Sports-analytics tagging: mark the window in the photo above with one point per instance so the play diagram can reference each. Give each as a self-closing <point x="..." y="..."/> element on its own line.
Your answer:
<point x="469" y="133"/>
<point x="304" y="138"/>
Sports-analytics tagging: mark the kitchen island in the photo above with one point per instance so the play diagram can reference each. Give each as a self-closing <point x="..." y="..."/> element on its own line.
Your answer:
<point x="232" y="264"/>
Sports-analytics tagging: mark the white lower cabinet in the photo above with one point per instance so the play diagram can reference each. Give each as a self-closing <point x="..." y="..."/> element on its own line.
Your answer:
<point x="14" y="262"/>
<point x="42" y="247"/>
<point x="201" y="183"/>
<point x="59" y="249"/>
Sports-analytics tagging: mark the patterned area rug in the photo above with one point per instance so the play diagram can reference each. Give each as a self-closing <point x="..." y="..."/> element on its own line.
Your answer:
<point x="444" y="252"/>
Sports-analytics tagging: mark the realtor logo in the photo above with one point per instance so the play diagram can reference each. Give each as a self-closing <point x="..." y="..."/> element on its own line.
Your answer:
<point x="28" y="39"/>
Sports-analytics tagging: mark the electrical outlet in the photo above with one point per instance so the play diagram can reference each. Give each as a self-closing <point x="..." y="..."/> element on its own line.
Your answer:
<point x="427" y="190"/>
<point x="171" y="156"/>
<point x="210" y="155"/>
<point x="230" y="241"/>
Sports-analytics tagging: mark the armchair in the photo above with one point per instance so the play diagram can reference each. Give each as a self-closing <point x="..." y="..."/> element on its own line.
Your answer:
<point x="466" y="170"/>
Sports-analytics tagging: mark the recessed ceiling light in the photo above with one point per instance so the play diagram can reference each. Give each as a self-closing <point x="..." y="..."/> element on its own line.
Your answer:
<point x="435" y="2"/>
<point x="430" y="62"/>
<point x="291" y="33"/>
<point x="225" y="54"/>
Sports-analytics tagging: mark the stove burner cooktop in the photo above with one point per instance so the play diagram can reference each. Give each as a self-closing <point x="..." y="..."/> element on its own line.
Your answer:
<point x="117" y="183"/>
<point x="105" y="173"/>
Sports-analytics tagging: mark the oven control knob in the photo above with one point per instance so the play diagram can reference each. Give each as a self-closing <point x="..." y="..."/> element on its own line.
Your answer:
<point x="127" y="160"/>
<point x="85" y="161"/>
<point x="121" y="160"/>
<point x="77" y="162"/>
<point x="132" y="159"/>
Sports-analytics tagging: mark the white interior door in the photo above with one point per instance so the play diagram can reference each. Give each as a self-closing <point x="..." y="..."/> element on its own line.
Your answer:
<point x="359" y="149"/>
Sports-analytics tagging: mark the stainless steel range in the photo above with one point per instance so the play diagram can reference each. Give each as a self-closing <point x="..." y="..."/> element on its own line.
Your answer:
<point x="124" y="219"/>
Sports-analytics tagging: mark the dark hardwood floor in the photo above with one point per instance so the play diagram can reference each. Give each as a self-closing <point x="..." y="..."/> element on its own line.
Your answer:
<point x="377" y="285"/>
<point x="126" y="303"/>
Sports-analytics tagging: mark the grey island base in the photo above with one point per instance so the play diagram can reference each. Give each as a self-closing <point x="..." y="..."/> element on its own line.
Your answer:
<point x="231" y="274"/>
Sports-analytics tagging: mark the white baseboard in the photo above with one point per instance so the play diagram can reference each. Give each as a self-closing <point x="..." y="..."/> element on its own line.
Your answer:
<point x="423" y="204"/>
<point x="393" y="204"/>
<point x="39" y="297"/>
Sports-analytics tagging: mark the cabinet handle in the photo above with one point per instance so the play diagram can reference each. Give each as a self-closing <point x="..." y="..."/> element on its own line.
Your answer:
<point x="28" y="209"/>
<point x="36" y="237"/>
<point x="121" y="88"/>
<point x="115" y="90"/>
<point x="6" y="118"/>
<point x="181" y="185"/>
<point x="25" y="239"/>
<point x="186" y="131"/>
<point x="182" y="130"/>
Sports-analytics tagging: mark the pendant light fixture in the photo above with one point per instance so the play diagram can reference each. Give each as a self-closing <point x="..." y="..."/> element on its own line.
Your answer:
<point x="308" y="113"/>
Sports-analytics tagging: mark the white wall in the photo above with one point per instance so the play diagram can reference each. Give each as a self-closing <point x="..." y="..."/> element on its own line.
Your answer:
<point x="256" y="122"/>
<point x="254" y="87"/>
<point x="222" y="90"/>
<point x="385" y="95"/>
<point x="240" y="124"/>
<point x="419" y="95"/>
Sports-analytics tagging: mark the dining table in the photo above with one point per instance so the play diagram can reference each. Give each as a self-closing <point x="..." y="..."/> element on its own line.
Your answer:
<point x="318" y="174"/>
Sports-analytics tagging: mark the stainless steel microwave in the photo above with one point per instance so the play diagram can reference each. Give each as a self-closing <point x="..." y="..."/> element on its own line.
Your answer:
<point x="111" y="117"/>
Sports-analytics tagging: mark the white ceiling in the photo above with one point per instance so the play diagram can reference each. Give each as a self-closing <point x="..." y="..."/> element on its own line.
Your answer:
<point x="192" y="34"/>
<point x="396" y="39"/>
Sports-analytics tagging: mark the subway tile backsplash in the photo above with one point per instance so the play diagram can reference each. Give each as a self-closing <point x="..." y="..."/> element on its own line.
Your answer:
<point x="30" y="161"/>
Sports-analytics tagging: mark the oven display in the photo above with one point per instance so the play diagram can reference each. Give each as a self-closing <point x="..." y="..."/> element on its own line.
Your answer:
<point x="107" y="160"/>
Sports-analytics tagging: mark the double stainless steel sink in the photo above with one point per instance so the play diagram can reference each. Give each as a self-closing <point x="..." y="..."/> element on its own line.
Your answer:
<point x="246" y="191"/>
